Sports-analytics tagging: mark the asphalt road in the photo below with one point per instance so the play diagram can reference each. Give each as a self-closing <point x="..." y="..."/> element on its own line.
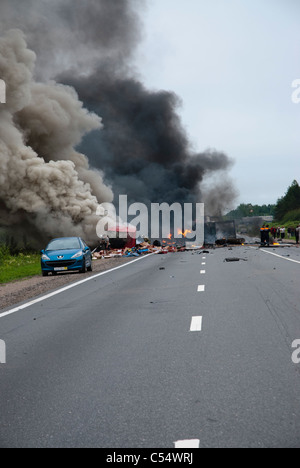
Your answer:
<point x="113" y="362"/>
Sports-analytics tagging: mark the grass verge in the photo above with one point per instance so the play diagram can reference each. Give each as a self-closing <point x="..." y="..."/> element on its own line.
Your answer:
<point x="18" y="267"/>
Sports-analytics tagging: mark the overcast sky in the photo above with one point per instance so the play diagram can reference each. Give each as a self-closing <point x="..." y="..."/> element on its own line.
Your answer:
<point x="233" y="63"/>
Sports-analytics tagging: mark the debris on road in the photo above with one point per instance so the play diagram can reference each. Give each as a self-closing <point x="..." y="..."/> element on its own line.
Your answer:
<point x="235" y="259"/>
<point x="230" y="241"/>
<point x="163" y="247"/>
<point x="144" y="248"/>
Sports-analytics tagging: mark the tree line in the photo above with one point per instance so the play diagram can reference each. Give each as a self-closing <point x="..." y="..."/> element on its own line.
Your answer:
<point x="288" y="207"/>
<point x="251" y="211"/>
<point x="285" y="211"/>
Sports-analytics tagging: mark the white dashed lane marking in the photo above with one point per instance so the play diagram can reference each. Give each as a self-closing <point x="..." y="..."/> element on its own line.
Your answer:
<point x="201" y="288"/>
<point x="183" y="444"/>
<point x="196" y="324"/>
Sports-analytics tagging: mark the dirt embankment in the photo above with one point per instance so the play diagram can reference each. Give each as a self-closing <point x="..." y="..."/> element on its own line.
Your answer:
<point x="20" y="291"/>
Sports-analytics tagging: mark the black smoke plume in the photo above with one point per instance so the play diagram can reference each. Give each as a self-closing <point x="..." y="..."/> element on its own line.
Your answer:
<point x="143" y="147"/>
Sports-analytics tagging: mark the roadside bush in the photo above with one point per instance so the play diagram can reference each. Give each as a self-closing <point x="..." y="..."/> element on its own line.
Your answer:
<point x="10" y="246"/>
<point x="4" y="253"/>
<point x="292" y="218"/>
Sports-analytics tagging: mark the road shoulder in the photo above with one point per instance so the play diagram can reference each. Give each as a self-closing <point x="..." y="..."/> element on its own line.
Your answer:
<point x="19" y="291"/>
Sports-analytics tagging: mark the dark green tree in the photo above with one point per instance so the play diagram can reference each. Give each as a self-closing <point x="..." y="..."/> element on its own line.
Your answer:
<point x="290" y="202"/>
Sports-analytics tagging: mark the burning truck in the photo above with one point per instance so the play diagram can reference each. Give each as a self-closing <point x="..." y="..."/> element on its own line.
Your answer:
<point x="215" y="233"/>
<point x="218" y="233"/>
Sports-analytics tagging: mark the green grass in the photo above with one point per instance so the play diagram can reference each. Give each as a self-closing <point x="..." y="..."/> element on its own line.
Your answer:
<point x="18" y="267"/>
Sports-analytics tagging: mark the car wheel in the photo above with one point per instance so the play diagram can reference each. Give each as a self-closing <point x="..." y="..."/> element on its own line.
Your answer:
<point x="45" y="273"/>
<point x="90" y="268"/>
<point x="83" y="269"/>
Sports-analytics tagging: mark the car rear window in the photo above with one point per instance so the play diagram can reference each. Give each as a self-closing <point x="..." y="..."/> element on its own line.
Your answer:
<point x="64" y="244"/>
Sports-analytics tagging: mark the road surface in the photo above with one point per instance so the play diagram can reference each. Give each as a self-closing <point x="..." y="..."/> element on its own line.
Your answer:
<point x="169" y="348"/>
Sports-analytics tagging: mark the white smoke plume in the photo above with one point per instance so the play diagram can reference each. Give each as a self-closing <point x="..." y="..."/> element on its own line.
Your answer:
<point x="44" y="183"/>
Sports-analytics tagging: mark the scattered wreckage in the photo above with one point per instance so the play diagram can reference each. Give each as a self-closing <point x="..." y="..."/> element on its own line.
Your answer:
<point x="144" y="248"/>
<point x="216" y="234"/>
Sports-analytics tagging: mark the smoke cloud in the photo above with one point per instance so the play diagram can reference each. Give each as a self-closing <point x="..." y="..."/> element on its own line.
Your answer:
<point x="141" y="148"/>
<point x="74" y="33"/>
<point x="44" y="183"/>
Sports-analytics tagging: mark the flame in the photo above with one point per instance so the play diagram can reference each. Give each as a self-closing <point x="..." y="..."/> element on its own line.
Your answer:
<point x="185" y="233"/>
<point x="170" y="236"/>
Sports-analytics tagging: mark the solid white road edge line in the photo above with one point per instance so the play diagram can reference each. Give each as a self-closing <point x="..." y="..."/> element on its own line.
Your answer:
<point x="182" y="444"/>
<point x="71" y="286"/>
<point x="279" y="256"/>
<point x="196" y="324"/>
<point x="201" y="288"/>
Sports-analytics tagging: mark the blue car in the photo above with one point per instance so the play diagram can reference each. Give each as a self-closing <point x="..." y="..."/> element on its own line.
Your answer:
<point x="66" y="254"/>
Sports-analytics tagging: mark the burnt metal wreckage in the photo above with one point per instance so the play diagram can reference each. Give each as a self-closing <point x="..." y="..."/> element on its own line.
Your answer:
<point x="221" y="234"/>
<point x="235" y="259"/>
